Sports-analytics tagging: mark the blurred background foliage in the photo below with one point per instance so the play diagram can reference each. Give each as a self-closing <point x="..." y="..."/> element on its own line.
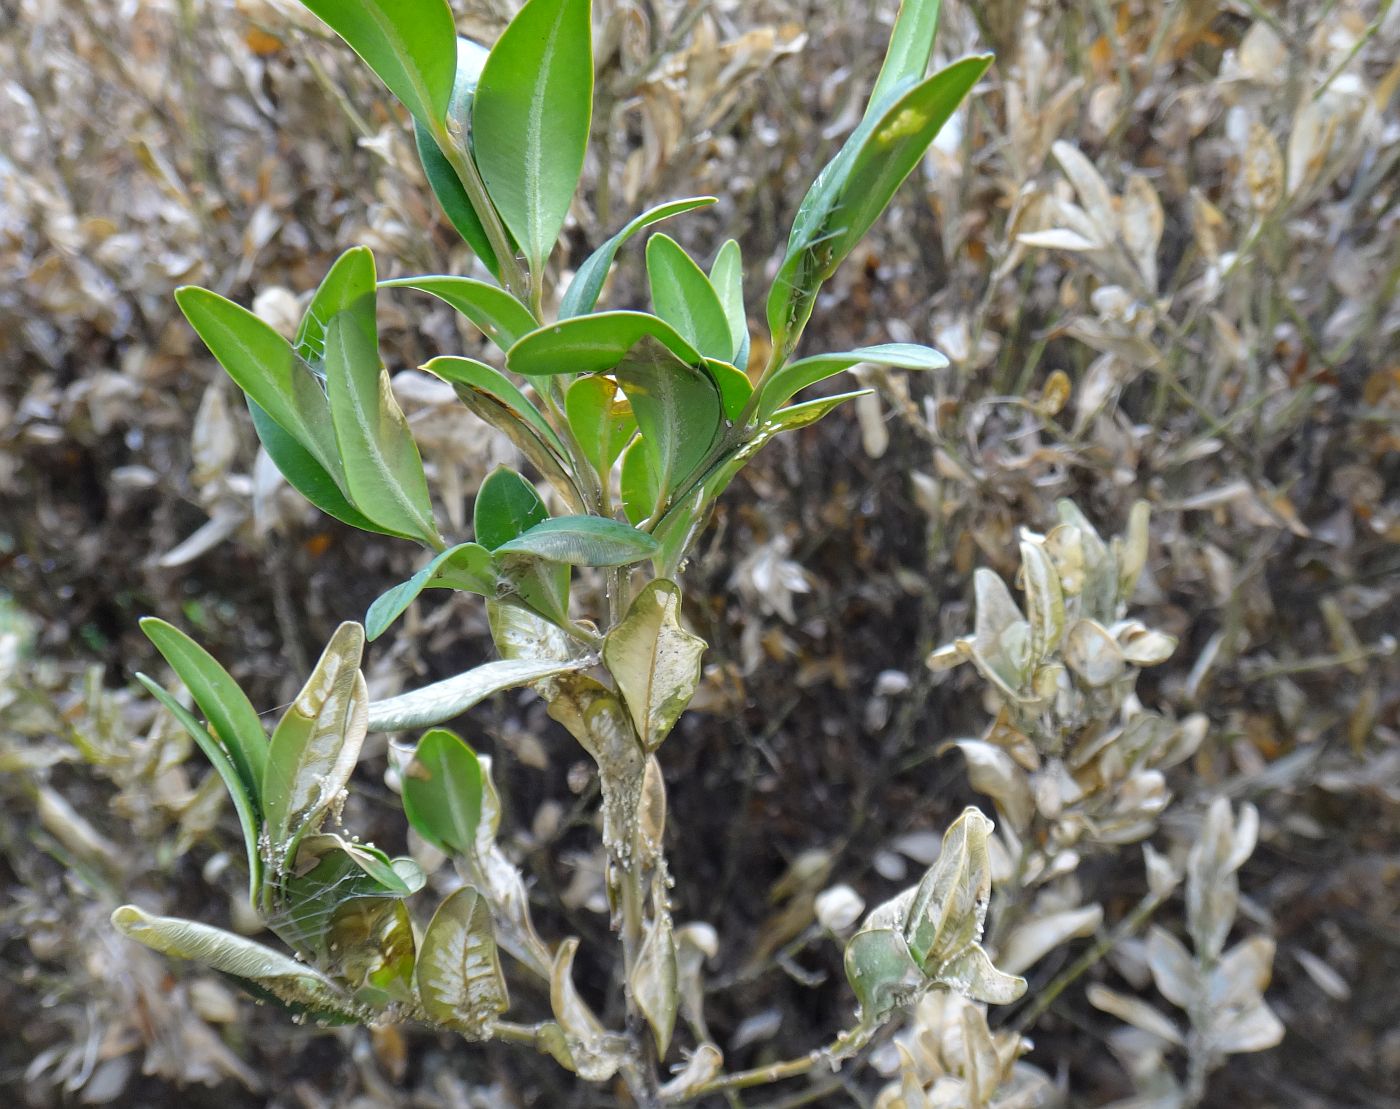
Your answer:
<point x="1159" y="246"/>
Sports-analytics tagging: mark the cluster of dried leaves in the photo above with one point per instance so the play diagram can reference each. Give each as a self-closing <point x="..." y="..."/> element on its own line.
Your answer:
<point x="1159" y="248"/>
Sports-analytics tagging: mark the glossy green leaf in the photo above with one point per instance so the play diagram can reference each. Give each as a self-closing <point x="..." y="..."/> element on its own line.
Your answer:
<point x="459" y="978"/>
<point x="601" y="419"/>
<point x="442" y="701"/>
<point x="593" y="344"/>
<point x="727" y="277"/>
<point x="479" y="377"/>
<point x="410" y="44"/>
<point x="501" y="317"/>
<point x="442" y="792"/>
<point x="851" y="193"/>
<point x="655" y="662"/>
<point x="506" y="506"/>
<point x="796" y="376"/>
<point x="734" y="386"/>
<point x="347" y="287"/>
<point x="289" y="980"/>
<point x="307" y="476"/>
<point x="583" y="541"/>
<point x="684" y="520"/>
<point x="231" y="715"/>
<point x="678" y="410"/>
<point x="642" y="494"/>
<point x="383" y="471"/>
<point x="582" y="293"/>
<point x="911" y="47"/>
<point x="262" y="364"/>
<point x="530" y="120"/>
<point x="682" y="295"/>
<point x="223" y="766"/>
<point x="467" y="567"/>
<point x="316" y="744"/>
<point x="442" y="178"/>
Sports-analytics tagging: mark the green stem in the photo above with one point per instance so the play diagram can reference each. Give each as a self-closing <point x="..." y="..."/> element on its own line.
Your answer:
<point x="845" y="1045"/>
<point x="513" y="277"/>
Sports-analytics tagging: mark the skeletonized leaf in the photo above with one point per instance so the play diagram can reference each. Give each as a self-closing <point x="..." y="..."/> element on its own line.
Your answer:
<point x="441" y="701"/>
<point x="1032" y="941"/>
<point x="950" y="905"/>
<point x="587" y="1038"/>
<point x="582" y="294"/>
<point x="1045" y="603"/>
<point x="653" y="980"/>
<point x="1089" y="184"/>
<point x="882" y="972"/>
<point x="442" y="790"/>
<point x="317" y="742"/>
<point x="1133" y="1011"/>
<point x="655" y="662"/>
<point x="530" y="118"/>
<point x="1092" y="653"/>
<point x="459" y="978"/>
<point x="383" y="471"/>
<point x="290" y="981"/>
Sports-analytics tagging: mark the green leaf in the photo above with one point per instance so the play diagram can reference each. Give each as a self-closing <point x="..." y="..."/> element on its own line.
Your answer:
<point x="593" y="344"/>
<point x="233" y="782"/>
<point x="368" y="859"/>
<point x="506" y="506"/>
<point x="383" y="471"/>
<point x="468" y="567"/>
<point x="442" y="701"/>
<point x="851" y="193"/>
<point x="601" y="419"/>
<point x="501" y="317"/>
<point x="682" y="295"/>
<point x="316" y="743"/>
<point x="583" y="541"/>
<point x="477" y="376"/>
<point x="460" y="983"/>
<point x="410" y="44"/>
<point x="290" y="981"/>
<point x="882" y="973"/>
<point x="442" y="178"/>
<point x="727" y="277"/>
<point x="234" y="720"/>
<point x="262" y="364"/>
<point x="347" y="287"/>
<point x="534" y="103"/>
<point x="911" y="47"/>
<point x="796" y="376"/>
<point x="307" y="476"/>
<point x="372" y="940"/>
<point x="442" y="792"/>
<point x="734" y="386"/>
<point x="642" y="494"/>
<point x="678" y="410"/>
<point x="655" y="662"/>
<point x="582" y="294"/>
<point x="685" y="518"/>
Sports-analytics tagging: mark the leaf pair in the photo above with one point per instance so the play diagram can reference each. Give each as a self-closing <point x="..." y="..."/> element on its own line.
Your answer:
<point x="283" y="788"/>
<point x="345" y="446"/>
<point x="905" y="113"/>
<point x="520" y="115"/>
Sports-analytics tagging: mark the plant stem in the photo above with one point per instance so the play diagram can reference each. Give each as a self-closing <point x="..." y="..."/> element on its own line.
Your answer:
<point x="842" y="1048"/>
<point x="513" y="277"/>
<point x="1141" y="913"/>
